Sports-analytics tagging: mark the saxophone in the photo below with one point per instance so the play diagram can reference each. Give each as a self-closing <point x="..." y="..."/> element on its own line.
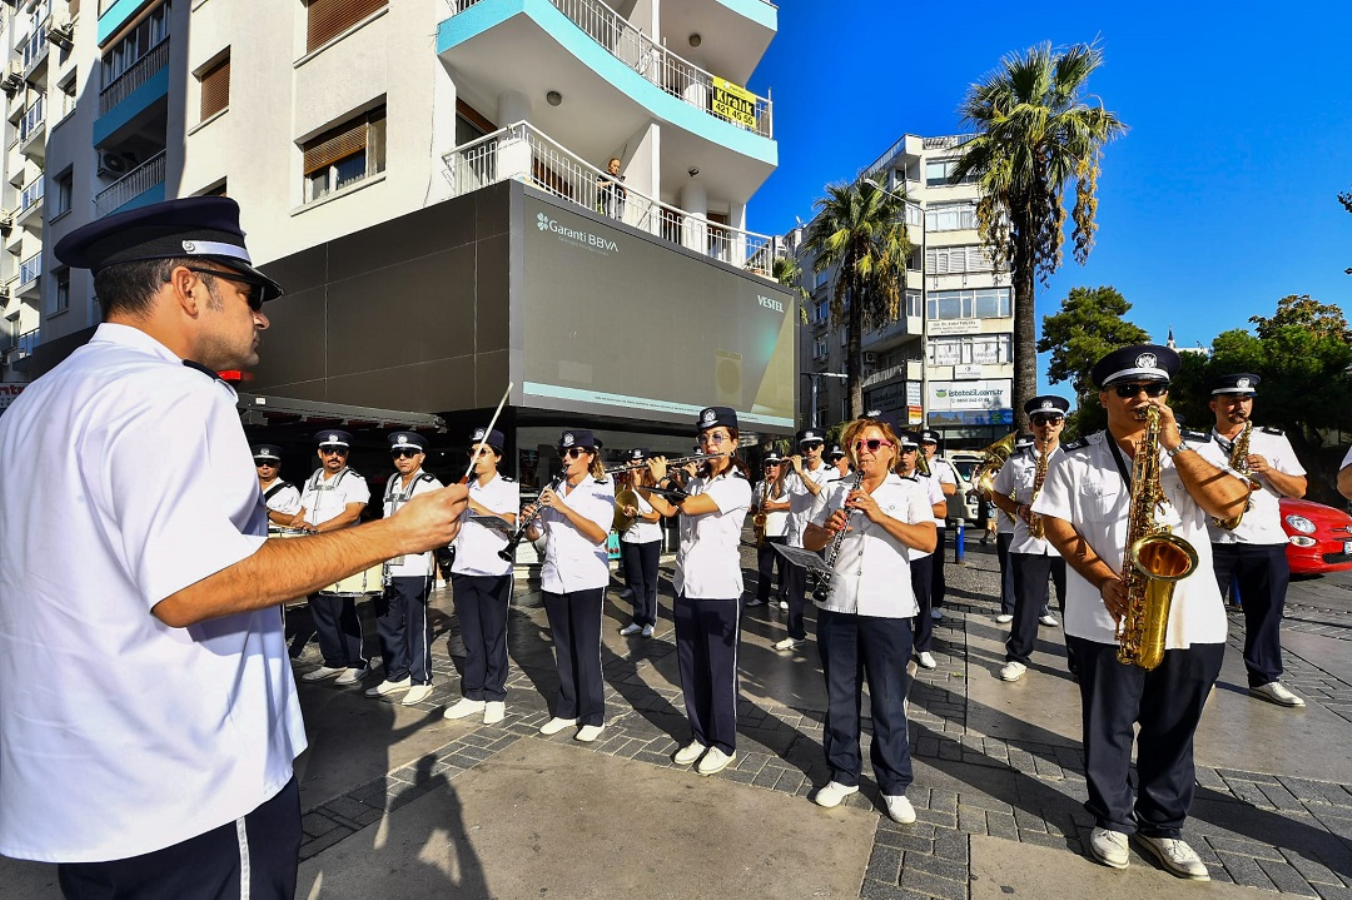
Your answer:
<point x="1155" y="560"/>
<point x="760" y="517"/>
<point x="1036" y="528"/>
<point x="1239" y="461"/>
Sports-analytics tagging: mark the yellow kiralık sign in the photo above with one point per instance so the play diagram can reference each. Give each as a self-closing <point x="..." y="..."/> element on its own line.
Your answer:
<point x="734" y="102"/>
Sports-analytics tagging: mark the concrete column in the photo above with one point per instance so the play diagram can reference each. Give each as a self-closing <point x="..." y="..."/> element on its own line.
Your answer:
<point x="695" y="202"/>
<point x="513" y="106"/>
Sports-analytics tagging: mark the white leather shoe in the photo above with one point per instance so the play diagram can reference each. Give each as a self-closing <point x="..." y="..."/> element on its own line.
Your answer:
<point x="1176" y="857"/>
<point x="714" y="761"/>
<point x="1109" y="847"/>
<point x="647" y="631"/>
<point x="323" y="672"/>
<point x="789" y="643"/>
<point x="351" y="675"/>
<point x="631" y="628"/>
<point x="389" y="687"/>
<point x="1049" y="620"/>
<point x="588" y="733"/>
<point x="899" y="809"/>
<point x="833" y="794"/>
<point x="1004" y="618"/>
<point x="555" y="725"/>
<point x="689" y="753"/>
<point x="1275" y="692"/>
<point x="494" y="712"/>
<point x="464" y="708"/>
<point x="1012" y="671"/>
<point x="417" y="694"/>
<point x="926" y="660"/>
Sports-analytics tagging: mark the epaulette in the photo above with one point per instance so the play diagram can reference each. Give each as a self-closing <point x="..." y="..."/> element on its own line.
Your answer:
<point x="1268" y="429"/>
<point x="507" y="478"/>
<point x="210" y="373"/>
<point x="1200" y="437"/>
<point x="1077" y="444"/>
<point x="426" y="476"/>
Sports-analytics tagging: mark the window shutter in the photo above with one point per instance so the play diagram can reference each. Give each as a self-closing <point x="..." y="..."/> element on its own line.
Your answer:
<point x="326" y="19"/>
<point x="334" y="145"/>
<point x="216" y="88"/>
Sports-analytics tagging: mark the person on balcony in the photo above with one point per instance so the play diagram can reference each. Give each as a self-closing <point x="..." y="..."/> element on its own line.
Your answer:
<point x="610" y="191"/>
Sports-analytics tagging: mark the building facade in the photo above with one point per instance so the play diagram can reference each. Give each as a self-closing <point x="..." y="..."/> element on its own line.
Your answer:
<point x="947" y="362"/>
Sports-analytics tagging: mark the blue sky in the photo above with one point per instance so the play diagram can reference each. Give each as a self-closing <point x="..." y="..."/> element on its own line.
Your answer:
<point x="1220" y="200"/>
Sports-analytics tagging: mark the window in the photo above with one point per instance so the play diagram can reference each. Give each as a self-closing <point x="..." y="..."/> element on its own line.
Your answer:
<point x="819" y="348"/>
<point x="950" y="216"/>
<point x="344" y="155"/>
<point x="973" y="350"/>
<point x="215" y="81"/>
<point x="912" y="303"/>
<point x="820" y="310"/>
<point x="62" y="189"/>
<point x="138" y="41"/>
<point x="938" y="171"/>
<point x="983" y="303"/>
<point x="62" y="291"/>
<point x="326" y="19"/>
<point x="68" y="95"/>
<point x="914" y="216"/>
<point x="956" y="260"/>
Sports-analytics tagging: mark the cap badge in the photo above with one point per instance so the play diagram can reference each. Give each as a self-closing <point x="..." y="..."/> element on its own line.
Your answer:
<point x="1243" y="382"/>
<point x="708" y="417"/>
<point x="189" y="247"/>
<point x="402" y="439"/>
<point x="333" y="439"/>
<point x="1147" y="361"/>
<point x="1047" y="404"/>
<point x="568" y="439"/>
<point x="478" y="434"/>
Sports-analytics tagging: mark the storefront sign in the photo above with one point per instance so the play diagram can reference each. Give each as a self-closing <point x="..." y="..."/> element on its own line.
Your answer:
<point x="9" y="393"/>
<point x="946" y="327"/>
<point x="966" y="371"/>
<point x="982" y="395"/>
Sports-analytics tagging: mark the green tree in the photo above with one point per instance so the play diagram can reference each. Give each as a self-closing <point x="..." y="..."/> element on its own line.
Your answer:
<point x="861" y="229"/>
<point x="1037" y="131"/>
<point x="1323" y="319"/>
<point x="789" y="273"/>
<point x="1090" y="325"/>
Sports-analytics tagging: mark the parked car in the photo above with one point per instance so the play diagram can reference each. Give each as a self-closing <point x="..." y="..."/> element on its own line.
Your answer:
<point x="1319" y="537"/>
<point x="964" y="463"/>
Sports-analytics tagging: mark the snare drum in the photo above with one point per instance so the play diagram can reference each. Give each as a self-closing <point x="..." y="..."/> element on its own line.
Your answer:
<point x="367" y="581"/>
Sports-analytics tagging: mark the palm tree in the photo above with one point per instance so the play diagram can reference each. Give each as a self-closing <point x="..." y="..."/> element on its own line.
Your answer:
<point x="1036" y="131"/>
<point x="790" y="275"/>
<point x="861" y="228"/>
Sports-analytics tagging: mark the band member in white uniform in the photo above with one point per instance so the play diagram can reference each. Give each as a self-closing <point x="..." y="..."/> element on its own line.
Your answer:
<point x="482" y="581"/>
<point x="640" y="552"/>
<point x="1085" y="504"/>
<point x="282" y="497"/>
<point x="941" y="471"/>
<point x="922" y="567"/>
<point x="1252" y="554"/>
<point x="708" y="585"/>
<point x="769" y="499"/>
<point x="333" y="499"/>
<point x="1004" y="537"/>
<point x="864" y="626"/>
<point x="401" y="609"/>
<point x="838" y="459"/>
<point x="806" y="478"/>
<point x="575" y="516"/>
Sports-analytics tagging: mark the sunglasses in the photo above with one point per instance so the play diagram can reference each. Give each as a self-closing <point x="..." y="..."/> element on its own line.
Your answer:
<point x="572" y="452"/>
<point x="265" y="462"/>
<point x="817" y="446"/>
<point x="1047" y="420"/>
<point x="332" y="451"/>
<point x="254" y="299"/>
<point x="1152" y="389"/>
<point x="717" y="438"/>
<point x="404" y="454"/>
<point x="873" y="445"/>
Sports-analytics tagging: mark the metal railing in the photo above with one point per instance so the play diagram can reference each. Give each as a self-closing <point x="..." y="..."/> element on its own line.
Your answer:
<point x="30" y="268"/>
<point x="523" y="153"/>
<point x="33" y="193"/>
<point x="35" y="48"/>
<point x="28" y="342"/>
<point x="678" y="77"/>
<point x="137" y="74"/>
<point x="32" y="119"/>
<point x="133" y="184"/>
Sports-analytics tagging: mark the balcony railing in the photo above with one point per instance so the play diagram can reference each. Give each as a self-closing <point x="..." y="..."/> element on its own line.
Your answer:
<point x="137" y="74"/>
<point x="33" y="193"/>
<point x="133" y="184"/>
<point x="30" y="268"/>
<point x="28" y="342"/>
<point x="32" y="119"/>
<point x="678" y="77"/>
<point x="523" y="153"/>
<point x="35" y="48"/>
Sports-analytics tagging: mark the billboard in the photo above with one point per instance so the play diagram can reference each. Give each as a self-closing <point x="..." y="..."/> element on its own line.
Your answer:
<point x="619" y="324"/>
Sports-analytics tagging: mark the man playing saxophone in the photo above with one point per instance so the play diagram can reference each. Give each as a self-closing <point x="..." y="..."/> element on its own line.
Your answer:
<point x="1087" y="505"/>
<point x="1250" y="553"/>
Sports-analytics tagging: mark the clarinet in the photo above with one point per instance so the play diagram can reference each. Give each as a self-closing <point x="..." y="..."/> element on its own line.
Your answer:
<point x="822" y="591"/>
<point x="508" y="553"/>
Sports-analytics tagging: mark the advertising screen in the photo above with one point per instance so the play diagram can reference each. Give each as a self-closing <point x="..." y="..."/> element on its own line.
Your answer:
<point x="624" y="325"/>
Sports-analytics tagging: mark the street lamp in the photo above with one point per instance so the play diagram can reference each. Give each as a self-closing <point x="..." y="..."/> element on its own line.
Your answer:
<point x="924" y="309"/>
<point x="816" y="376"/>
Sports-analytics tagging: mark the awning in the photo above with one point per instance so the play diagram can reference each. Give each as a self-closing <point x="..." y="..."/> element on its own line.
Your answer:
<point x="256" y="409"/>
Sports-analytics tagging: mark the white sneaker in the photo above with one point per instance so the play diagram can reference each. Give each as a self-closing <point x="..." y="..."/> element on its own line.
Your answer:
<point x="1049" y="620"/>
<point x="494" y="712"/>
<point x="588" y="733"/>
<point x="464" y="708"/>
<point x="689" y="753"/>
<point x="417" y="694"/>
<point x="647" y="631"/>
<point x="323" y="672"/>
<point x="833" y="794"/>
<point x="936" y="615"/>
<point x="899" y="809"/>
<point x="1176" y="857"/>
<point x="789" y="644"/>
<point x="1004" y="618"/>
<point x="926" y="660"/>
<point x="1013" y="671"/>
<point x="351" y="675"/>
<point x="714" y="761"/>
<point x="754" y="601"/>
<point x="783" y="604"/>
<point x="631" y="628"/>
<point x="1109" y="847"/>
<point x="555" y="725"/>
<point x="389" y="687"/>
<point x="1275" y="692"/>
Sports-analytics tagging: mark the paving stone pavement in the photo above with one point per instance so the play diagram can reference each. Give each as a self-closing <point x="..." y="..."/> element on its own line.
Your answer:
<point x="967" y="783"/>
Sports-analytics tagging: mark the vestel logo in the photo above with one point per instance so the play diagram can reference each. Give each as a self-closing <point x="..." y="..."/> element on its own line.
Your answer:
<point x="770" y="303"/>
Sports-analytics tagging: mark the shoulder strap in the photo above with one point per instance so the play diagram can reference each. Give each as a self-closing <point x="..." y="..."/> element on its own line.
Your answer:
<point x="267" y="495"/>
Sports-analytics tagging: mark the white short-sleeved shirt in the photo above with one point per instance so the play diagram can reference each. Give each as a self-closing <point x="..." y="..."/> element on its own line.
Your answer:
<point x="801" y="500"/>
<point x="326" y="497"/>
<point x="935" y="494"/>
<point x="709" y="563"/>
<point x="477" y="546"/>
<point x="777" y="522"/>
<point x="1085" y="488"/>
<point x="872" y="574"/>
<point x="1016" y="477"/>
<point x="574" y="562"/>
<point x="943" y="472"/>
<point x="410" y="565"/>
<point x="120" y="735"/>
<point x="285" y="498"/>
<point x="1262" y="522"/>
<point x="643" y="531"/>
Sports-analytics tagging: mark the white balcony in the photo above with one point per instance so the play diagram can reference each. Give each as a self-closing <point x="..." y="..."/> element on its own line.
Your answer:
<point x="30" y="274"/>
<point x="137" y="74"/>
<point x="130" y="186"/>
<point x="30" y="203"/>
<point x="909" y="370"/>
<point x="523" y="153"/>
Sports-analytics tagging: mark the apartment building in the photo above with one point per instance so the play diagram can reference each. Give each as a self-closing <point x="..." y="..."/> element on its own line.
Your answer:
<point x="947" y="362"/>
<point x="430" y="181"/>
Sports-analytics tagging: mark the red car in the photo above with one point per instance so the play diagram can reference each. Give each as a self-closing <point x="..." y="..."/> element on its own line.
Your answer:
<point x="1319" y="537"/>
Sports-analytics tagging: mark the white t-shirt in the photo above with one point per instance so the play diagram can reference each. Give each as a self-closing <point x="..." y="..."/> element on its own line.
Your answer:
<point x="326" y="496"/>
<point x="574" y="562"/>
<point x="943" y="472"/>
<point x="709" y="563"/>
<point x="871" y="575"/>
<point x="935" y="494"/>
<point x="1017" y="476"/>
<point x="120" y="735"/>
<point x="643" y="531"/>
<point x="775" y="522"/>
<point x="410" y="565"/>
<point x="1085" y="488"/>
<point x="801" y="500"/>
<point x="477" y="546"/>
<point x="1262" y="522"/>
<point x="285" y="498"/>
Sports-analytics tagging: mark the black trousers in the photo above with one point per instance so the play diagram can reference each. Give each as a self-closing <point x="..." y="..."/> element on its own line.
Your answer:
<point x="482" y="605"/>
<point x="1261" y="573"/>
<point x="1167" y="703"/>
<point x="795" y="592"/>
<point x="206" y="867"/>
<point x="938" y="586"/>
<point x="707" y="633"/>
<point x="640" y="573"/>
<point x="1002" y="545"/>
<point x="401" y="626"/>
<point x="767" y="560"/>
<point x="1030" y="601"/>
<point x="575" y="620"/>
<point x="853" y="648"/>
<point x="338" y="630"/>
<point x="922" y="570"/>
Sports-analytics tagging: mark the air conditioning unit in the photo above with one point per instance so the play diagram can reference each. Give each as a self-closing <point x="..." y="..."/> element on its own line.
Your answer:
<point x="115" y="165"/>
<point x="871" y="358"/>
<point x="13" y="79"/>
<point x="6" y="222"/>
<point x="61" y="32"/>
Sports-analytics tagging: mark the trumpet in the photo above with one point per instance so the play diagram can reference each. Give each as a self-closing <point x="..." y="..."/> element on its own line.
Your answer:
<point x="677" y="462"/>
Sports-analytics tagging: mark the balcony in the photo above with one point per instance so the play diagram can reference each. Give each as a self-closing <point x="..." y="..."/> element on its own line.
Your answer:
<point x="35" y="48"/>
<point x="30" y="274"/>
<point x="892" y="334"/>
<point x="910" y="370"/>
<point x="521" y="152"/>
<point x="134" y="91"/>
<point x="30" y="204"/>
<point x="32" y="125"/>
<point x="136" y="188"/>
<point x="28" y="342"/>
